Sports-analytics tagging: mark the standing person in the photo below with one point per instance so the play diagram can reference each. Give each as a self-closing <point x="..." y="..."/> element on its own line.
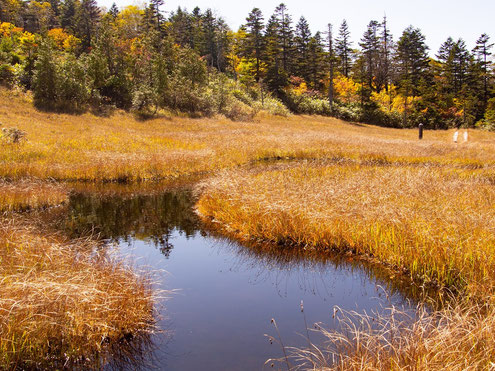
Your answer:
<point x="465" y="135"/>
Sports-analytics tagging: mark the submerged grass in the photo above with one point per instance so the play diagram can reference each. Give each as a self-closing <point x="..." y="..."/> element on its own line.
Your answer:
<point x="65" y="303"/>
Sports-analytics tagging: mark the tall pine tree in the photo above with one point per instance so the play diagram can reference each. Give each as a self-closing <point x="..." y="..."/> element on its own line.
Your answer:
<point x="255" y="43"/>
<point x="412" y="65"/>
<point x="370" y="46"/>
<point x="482" y="52"/>
<point x="343" y="48"/>
<point x="301" y="40"/>
<point x="285" y="35"/>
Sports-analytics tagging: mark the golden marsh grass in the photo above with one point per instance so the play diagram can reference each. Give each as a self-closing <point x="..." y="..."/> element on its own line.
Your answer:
<point x="435" y="223"/>
<point x="123" y="148"/>
<point x="65" y="303"/>
<point x="423" y="207"/>
<point x="31" y="194"/>
<point x="457" y="338"/>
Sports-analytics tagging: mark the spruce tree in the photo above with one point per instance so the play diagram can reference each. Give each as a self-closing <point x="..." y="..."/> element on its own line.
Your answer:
<point x="254" y="45"/>
<point x="444" y="70"/>
<point x="154" y="19"/>
<point x="482" y="52"/>
<point x="197" y="30"/>
<point x="301" y="40"/>
<point x="370" y="46"/>
<point x="67" y="17"/>
<point x="412" y="65"/>
<point x="181" y="27"/>
<point x="343" y="48"/>
<point x="276" y="76"/>
<point x="285" y="35"/>
<point x="209" y="33"/>
<point x="316" y="61"/>
<point x="222" y="44"/>
<point x="460" y="63"/>
<point x="87" y="19"/>
<point x="113" y="11"/>
<point x="412" y="58"/>
<point x="454" y="65"/>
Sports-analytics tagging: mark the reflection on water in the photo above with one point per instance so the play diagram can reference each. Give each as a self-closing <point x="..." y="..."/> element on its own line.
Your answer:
<point x="148" y="218"/>
<point x="228" y="292"/>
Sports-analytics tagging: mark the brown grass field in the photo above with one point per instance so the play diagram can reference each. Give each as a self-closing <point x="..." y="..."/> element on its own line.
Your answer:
<point x="120" y="147"/>
<point x="62" y="305"/>
<point x="424" y="208"/>
<point x="435" y="223"/>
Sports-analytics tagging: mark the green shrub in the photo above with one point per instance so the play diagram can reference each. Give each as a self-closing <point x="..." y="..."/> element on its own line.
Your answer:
<point x="372" y="114"/>
<point x="72" y="89"/>
<point x="349" y="112"/>
<point x="243" y="96"/>
<point x="60" y="81"/>
<point x="239" y="111"/>
<point x="314" y="106"/>
<point x="45" y="78"/>
<point x="273" y="106"/>
<point x="144" y="101"/>
<point x="307" y="104"/>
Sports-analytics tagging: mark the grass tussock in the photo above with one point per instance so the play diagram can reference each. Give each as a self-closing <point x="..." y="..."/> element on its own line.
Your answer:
<point x="456" y="338"/>
<point x="431" y="222"/>
<point x="65" y="304"/>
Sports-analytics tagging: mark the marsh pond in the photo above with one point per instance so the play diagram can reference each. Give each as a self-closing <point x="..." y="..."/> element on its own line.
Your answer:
<point x="220" y="295"/>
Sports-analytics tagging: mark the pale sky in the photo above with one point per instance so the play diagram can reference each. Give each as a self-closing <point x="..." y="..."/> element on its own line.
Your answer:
<point x="437" y="19"/>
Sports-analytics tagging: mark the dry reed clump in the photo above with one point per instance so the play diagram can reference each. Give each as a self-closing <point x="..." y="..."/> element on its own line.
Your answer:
<point x="459" y="337"/>
<point x="65" y="304"/>
<point x="429" y="221"/>
<point x="28" y="194"/>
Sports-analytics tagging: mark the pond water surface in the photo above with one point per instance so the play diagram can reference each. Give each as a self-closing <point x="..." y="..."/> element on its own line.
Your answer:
<point x="227" y="293"/>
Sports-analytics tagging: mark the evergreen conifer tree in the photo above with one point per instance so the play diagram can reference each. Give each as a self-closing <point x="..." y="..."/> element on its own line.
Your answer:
<point x="343" y="48"/>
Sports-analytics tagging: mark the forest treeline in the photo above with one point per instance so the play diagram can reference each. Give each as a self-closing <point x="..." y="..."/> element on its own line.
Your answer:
<point x="75" y="55"/>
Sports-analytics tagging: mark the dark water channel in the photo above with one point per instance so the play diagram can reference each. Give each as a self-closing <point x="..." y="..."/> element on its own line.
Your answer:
<point x="226" y="293"/>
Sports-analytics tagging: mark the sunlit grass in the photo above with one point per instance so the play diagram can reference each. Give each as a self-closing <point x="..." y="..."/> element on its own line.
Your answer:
<point x="62" y="303"/>
<point x="433" y="223"/>
<point x="459" y="337"/>
<point x="123" y="148"/>
<point x="31" y="194"/>
<point x="424" y="208"/>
